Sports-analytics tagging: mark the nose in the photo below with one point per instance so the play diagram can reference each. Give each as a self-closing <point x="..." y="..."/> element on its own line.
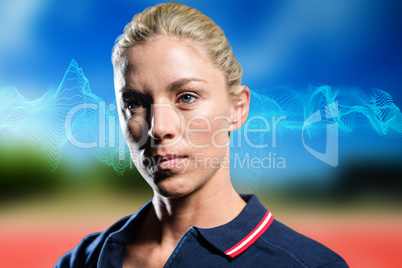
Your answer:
<point x="165" y="122"/>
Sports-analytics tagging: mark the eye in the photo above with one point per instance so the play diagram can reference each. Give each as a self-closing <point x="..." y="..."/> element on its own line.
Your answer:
<point x="187" y="98"/>
<point x="134" y="104"/>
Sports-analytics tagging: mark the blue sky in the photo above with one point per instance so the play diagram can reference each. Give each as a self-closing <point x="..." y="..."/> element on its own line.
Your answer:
<point x="340" y="43"/>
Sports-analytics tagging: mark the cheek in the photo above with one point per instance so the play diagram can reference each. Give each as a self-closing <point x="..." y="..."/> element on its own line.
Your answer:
<point x="208" y="131"/>
<point x="220" y="136"/>
<point x="136" y="131"/>
<point x="198" y="131"/>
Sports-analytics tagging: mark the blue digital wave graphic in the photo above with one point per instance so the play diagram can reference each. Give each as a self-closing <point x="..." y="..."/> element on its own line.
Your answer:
<point x="72" y="114"/>
<point x="374" y="110"/>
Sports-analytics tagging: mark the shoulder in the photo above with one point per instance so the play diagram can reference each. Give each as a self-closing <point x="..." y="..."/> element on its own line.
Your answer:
<point x="86" y="253"/>
<point x="299" y="248"/>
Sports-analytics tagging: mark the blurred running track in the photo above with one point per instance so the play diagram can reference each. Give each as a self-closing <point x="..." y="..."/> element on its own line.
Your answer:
<point x="362" y="244"/>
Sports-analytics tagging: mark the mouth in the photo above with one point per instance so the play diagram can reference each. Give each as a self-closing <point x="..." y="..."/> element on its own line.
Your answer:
<point x="169" y="161"/>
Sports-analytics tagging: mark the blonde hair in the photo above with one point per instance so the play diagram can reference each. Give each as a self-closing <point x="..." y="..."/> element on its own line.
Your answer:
<point x="178" y="20"/>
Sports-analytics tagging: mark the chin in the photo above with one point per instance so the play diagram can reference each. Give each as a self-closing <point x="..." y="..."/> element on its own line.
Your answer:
<point x="172" y="187"/>
<point x="167" y="193"/>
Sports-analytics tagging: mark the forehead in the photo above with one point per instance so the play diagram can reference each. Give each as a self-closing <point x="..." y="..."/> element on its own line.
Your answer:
<point x="161" y="61"/>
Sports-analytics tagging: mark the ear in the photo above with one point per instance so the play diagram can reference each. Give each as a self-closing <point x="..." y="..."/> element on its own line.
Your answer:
<point x="240" y="107"/>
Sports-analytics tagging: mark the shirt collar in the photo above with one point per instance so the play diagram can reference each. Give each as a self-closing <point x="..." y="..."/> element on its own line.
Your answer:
<point x="235" y="237"/>
<point x="232" y="238"/>
<point x="126" y="233"/>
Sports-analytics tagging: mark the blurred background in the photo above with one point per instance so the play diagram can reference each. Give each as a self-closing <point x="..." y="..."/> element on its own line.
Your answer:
<point x="336" y="177"/>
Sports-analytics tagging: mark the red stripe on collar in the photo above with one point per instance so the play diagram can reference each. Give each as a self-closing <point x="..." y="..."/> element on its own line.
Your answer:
<point x="246" y="242"/>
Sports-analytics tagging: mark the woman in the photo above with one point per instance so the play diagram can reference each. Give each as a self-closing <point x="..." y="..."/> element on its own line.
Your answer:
<point x="179" y="94"/>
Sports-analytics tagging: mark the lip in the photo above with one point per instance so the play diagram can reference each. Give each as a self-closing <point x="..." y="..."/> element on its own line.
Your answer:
<point x="169" y="161"/>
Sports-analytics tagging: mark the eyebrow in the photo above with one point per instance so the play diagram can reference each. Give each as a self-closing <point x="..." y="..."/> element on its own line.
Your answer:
<point x="181" y="82"/>
<point x="130" y="90"/>
<point x="171" y="87"/>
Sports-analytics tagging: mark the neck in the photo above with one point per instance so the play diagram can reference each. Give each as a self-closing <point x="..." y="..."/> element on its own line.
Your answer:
<point x="215" y="204"/>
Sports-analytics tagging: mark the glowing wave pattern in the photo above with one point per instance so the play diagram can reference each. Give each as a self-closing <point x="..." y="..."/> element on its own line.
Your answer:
<point x="374" y="110"/>
<point x="72" y="114"/>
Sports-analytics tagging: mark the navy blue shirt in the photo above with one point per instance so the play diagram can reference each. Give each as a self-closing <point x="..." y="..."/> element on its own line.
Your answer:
<point x="253" y="239"/>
